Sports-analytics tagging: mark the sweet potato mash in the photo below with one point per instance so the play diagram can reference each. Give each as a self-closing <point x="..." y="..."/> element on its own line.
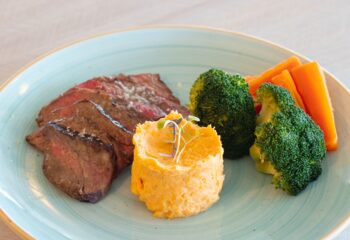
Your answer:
<point x="177" y="170"/>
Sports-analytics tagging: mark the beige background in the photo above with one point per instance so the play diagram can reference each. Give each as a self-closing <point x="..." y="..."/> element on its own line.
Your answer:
<point x="318" y="29"/>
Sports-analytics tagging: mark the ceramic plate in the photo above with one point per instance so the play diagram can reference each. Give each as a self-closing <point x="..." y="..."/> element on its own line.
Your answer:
<point x="249" y="208"/>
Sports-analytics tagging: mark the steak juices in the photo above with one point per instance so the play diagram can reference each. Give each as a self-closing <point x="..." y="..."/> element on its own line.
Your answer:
<point x="86" y="133"/>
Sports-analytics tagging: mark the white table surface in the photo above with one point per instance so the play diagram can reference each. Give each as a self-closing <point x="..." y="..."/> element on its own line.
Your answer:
<point x="318" y="29"/>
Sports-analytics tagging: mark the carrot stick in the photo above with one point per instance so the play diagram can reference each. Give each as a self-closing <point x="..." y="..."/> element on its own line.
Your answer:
<point x="285" y="80"/>
<point x="311" y="84"/>
<point x="249" y="78"/>
<point x="266" y="76"/>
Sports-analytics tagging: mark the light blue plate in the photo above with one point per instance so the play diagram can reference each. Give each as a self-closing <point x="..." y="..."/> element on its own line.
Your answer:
<point x="249" y="208"/>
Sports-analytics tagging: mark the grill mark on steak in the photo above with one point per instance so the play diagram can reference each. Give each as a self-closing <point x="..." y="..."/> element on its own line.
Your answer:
<point x="83" y="136"/>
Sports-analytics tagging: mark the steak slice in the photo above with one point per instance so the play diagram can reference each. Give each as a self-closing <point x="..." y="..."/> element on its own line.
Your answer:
<point x="146" y="85"/>
<point x="143" y="94"/>
<point x="79" y="164"/>
<point x="150" y="87"/>
<point x="88" y="117"/>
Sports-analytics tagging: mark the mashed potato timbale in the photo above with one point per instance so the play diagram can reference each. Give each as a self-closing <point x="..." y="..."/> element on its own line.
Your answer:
<point x="177" y="187"/>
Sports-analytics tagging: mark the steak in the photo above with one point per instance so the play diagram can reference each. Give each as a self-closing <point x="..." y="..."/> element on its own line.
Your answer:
<point x="86" y="133"/>
<point x="80" y="164"/>
<point x="144" y="94"/>
<point x="120" y="111"/>
<point x="86" y="116"/>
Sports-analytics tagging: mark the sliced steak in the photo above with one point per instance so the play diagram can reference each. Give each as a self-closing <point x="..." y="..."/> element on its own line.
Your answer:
<point x="88" y="117"/>
<point x="81" y="165"/>
<point x="148" y="87"/>
<point x="86" y="133"/>
<point x="144" y="94"/>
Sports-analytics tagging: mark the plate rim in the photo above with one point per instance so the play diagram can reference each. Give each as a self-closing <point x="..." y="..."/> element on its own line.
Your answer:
<point x="25" y="235"/>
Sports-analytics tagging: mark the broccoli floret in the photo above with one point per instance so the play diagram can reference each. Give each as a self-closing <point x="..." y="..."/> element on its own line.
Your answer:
<point x="222" y="100"/>
<point x="288" y="144"/>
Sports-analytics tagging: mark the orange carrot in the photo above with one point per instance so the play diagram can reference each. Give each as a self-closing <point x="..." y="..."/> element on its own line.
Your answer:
<point x="249" y="78"/>
<point x="311" y="84"/>
<point x="285" y="80"/>
<point x="266" y="76"/>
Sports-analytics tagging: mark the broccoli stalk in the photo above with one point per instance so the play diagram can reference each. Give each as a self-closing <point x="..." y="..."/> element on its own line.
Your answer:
<point x="223" y="101"/>
<point x="288" y="144"/>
